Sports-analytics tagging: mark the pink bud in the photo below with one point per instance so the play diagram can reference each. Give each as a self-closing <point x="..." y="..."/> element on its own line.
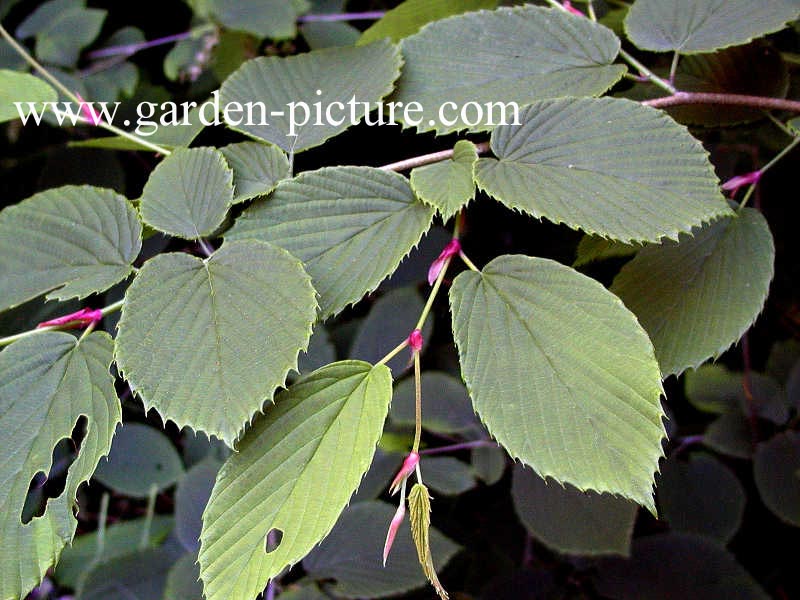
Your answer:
<point x="409" y="464"/>
<point x="397" y="520"/>
<point x="88" y="111"/>
<point x="452" y="248"/>
<point x="734" y="183"/>
<point x="568" y="5"/>
<point x="82" y="318"/>
<point x="415" y="340"/>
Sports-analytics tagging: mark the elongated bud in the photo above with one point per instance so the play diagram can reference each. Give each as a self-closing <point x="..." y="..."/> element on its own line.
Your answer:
<point x="409" y="464"/>
<point x="568" y="5"/>
<point x="82" y="318"/>
<point x="415" y="340"/>
<point x="734" y="183"/>
<point x="452" y="248"/>
<point x="88" y="111"/>
<point x="397" y="520"/>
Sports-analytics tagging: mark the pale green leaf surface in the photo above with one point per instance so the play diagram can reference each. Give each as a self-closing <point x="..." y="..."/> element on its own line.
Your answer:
<point x="206" y="342"/>
<point x="408" y="17"/>
<point x="141" y="456"/>
<point x="294" y="472"/>
<point x="70" y="241"/>
<point x="257" y="168"/>
<point x="570" y="521"/>
<point x="23" y="88"/>
<point x="520" y="55"/>
<point x="351" y="554"/>
<point x="776" y="468"/>
<point x="448" y="185"/>
<point x="689" y="26"/>
<point x="608" y="166"/>
<point x="351" y="226"/>
<point x="561" y="374"/>
<point x="47" y="383"/>
<point x="366" y="73"/>
<point x="697" y="297"/>
<point x="188" y="194"/>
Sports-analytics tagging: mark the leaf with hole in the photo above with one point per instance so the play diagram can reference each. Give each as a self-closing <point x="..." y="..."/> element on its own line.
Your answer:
<point x="608" y="166"/>
<point x="206" y="342"/>
<point x="561" y="373"/>
<point x="292" y="475"/>
<point x="48" y="384"/>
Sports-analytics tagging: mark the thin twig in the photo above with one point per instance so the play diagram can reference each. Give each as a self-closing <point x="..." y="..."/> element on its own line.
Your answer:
<point x="372" y="15"/>
<point x="684" y="98"/>
<point x="427" y="159"/>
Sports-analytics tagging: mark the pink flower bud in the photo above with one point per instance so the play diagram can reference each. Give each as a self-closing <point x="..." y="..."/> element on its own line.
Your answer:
<point x="568" y="5"/>
<point x="397" y="520"/>
<point x="452" y="248"/>
<point x="82" y="318"/>
<point x="409" y="464"/>
<point x="88" y="111"/>
<point x="734" y="183"/>
<point x="415" y="340"/>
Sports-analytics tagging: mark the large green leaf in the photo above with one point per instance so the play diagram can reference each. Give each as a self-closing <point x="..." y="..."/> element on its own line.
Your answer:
<point x="448" y="185"/>
<point x="607" y="166"/>
<point x="263" y="18"/>
<point x="366" y="73"/>
<point x="206" y="342"/>
<point x="688" y="26"/>
<point x="293" y="473"/>
<point x="351" y="226"/>
<point x="70" y="241"/>
<point x="351" y="554"/>
<point x="570" y="521"/>
<point x="23" y="88"/>
<point x="47" y="383"/>
<point x="561" y="373"/>
<point x="776" y="467"/>
<point x="697" y="297"/>
<point x="517" y="55"/>
<point x="257" y="168"/>
<point x="408" y="17"/>
<point x="189" y="193"/>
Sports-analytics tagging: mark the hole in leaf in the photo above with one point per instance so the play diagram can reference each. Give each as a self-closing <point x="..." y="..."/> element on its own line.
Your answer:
<point x="273" y="540"/>
<point x="44" y="488"/>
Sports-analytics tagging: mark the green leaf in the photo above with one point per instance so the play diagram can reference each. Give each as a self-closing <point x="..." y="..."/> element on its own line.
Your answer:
<point x="183" y="579"/>
<point x="188" y="194"/>
<point x="776" y="467"/>
<point x="273" y="19"/>
<point x="321" y="34"/>
<point x="206" y="342"/>
<point x="257" y="168"/>
<point x="697" y="297"/>
<point x="712" y="388"/>
<point x="288" y="85"/>
<point x="731" y="435"/>
<point x="191" y="498"/>
<point x="447" y="475"/>
<point x="294" y="472"/>
<point x="390" y="321"/>
<point x="593" y="248"/>
<point x="448" y="185"/>
<point x="71" y="241"/>
<point x="701" y="496"/>
<point x="688" y="26"/>
<point x="561" y="373"/>
<point x="446" y="407"/>
<point x="408" y="17"/>
<point x="23" y="88"/>
<point x="489" y="463"/>
<point x="351" y="554"/>
<point x="47" y="383"/>
<point x="607" y="166"/>
<point x="419" y="505"/>
<point x="118" y="539"/>
<point x="517" y="55"/>
<point x="351" y="226"/>
<point x="669" y="566"/>
<point x="140" y="457"/>
<point x="140" y="575"/>
<point x="570" y="521"/>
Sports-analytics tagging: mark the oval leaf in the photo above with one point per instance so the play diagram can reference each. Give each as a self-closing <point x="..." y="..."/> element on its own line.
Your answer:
<point x="47" y="383"/>
<point x="206" y="342"/>
<point x="293" y="473"/>
<point x="698" y="296"/>
<point x="27" y="90"/>
<point x="448" y="185"/>
<point x="704" y="25"/>
<point x="776" y="466"/>
<point x="257" y="168"/>
<point x="561" y="373"/>
<point x="70" y="241"/>
<point x="517" y="55"/>
<point x="607" y="166"/>
<point x="189" y="193"/>
<point x="351" y="226"/>
<point x="287" y="87"/>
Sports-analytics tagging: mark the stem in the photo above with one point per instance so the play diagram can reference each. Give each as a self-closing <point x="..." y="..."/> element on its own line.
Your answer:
<point x="144" y="541"/>
<point x="779" y="124"/>
<point x="131" y="49"/>
<point x="468" y="262"/>
<point x="763" y="102"/>
<point x="590" y="8"/>
<point x="205" y="247"/>
<point x="393" y="352"/>
<point x="101" y="527"/>
<point x="417" y="404"/>
<point x="673" y="69"/>
<point x="427" y="159"/>
<point x="666" y="85"/>
<point x="457" y="447"/>
<point x="372" y="15"/>
<point x="791" y="146"/>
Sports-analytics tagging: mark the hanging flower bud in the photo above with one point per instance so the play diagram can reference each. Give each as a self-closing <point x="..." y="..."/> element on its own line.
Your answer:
<point x="397" y="520"/>
<point x="409" y="464"/>
<point x="452" y="248"/>
<point x="82" y="318"/>
<point x="734" y="183"/>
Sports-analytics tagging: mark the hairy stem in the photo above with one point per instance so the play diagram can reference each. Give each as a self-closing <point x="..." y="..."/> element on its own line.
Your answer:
<point x="662" y="83"/>
<point x="372" y="15"/>
<point x="131" y="49"/>
<point x="427" y="159"/>
<point x="763" y="102"/>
